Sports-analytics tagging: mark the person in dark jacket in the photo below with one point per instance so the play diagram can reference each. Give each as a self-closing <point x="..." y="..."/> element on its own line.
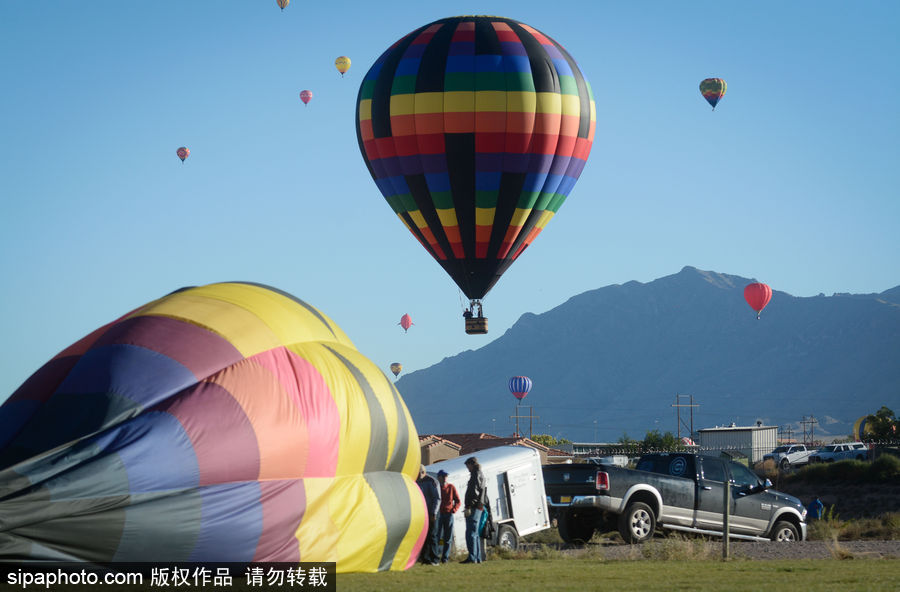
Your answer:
<point x="450" y="503"/>
<point x="432" y="492"/>
<point x="476" y="496"/>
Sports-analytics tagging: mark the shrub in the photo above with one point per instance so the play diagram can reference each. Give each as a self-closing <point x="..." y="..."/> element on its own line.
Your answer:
<point x="849" y="470"/>
<point x="885" y="468"/>
<point x="826" y="528"/>
<point x="766" y="469"/>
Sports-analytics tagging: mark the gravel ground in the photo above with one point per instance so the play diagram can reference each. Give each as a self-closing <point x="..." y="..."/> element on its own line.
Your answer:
<point x="764" y="550"/>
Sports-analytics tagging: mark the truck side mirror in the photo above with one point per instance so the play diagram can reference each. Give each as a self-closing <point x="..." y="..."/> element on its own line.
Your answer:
<point x="761" y="487"/>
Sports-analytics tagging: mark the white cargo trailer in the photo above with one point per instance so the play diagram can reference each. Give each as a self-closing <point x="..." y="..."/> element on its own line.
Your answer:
<point x="515" y="490"/>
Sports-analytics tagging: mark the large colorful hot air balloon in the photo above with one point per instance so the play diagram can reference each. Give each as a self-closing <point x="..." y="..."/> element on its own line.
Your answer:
<point x="305" y="96"/>
<point x="475" y="129"/>
<point x="757" y="296"/>
<point x="229" y="422"/>
<point x="342" y="63"/>
<point x="183" y="153"/>
<point x="406" y="322"/>
<point x="283" y="3"/>
<point x="396" y="368"/>
<point x="519" y="386"/>
<point x="713" y="89"/>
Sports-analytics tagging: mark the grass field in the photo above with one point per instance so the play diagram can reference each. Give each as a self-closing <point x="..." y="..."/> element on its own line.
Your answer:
<point x="645" y="576"/>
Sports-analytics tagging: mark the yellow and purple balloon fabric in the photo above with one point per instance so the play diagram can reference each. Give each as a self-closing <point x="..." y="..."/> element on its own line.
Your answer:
<point x="229" y="422"/>
<point x="475" y="129"/>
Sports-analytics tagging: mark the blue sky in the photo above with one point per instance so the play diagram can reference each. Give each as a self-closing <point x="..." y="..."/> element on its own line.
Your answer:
<point x="792" y="180"/>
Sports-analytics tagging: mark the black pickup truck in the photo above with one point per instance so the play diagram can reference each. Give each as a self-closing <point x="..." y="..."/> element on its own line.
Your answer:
<point x="680" y="491"/>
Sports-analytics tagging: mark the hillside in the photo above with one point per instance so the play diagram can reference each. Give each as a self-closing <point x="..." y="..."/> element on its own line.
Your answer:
<point x="611" y="361"/>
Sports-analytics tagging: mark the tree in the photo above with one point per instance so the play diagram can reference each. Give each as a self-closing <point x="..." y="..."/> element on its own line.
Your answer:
<point x="884" y="424"/>
<point x="548" y="440"/>
<point x="627" y="440"/>
<point x="656" y="441"/>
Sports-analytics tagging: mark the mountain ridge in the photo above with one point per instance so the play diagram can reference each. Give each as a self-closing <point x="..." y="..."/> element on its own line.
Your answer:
<point x="611" y="361"/>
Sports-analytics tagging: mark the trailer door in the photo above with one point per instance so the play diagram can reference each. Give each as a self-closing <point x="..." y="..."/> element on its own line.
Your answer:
<point x="527" y="499"/>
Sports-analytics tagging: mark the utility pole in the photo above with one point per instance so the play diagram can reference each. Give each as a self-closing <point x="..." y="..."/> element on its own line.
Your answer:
<point x="531" y="416"/>
<point x="809" y="429"/>
<point x="678" y="405"/>
<point x="787" y="433"/>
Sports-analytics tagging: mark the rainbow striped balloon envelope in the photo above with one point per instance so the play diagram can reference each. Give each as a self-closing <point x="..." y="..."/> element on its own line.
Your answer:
<point x="475" y="129"/>
<point x="230" y="422"/>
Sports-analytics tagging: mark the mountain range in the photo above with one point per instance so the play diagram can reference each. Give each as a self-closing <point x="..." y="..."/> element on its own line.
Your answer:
<point x="616" y="360"/>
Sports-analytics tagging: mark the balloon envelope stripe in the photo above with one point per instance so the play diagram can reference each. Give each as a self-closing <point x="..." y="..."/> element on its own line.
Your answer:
<point x="208" y="412"/>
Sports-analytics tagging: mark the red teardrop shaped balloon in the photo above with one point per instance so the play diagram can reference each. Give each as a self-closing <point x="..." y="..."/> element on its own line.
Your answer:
<point x="757" y="296"/>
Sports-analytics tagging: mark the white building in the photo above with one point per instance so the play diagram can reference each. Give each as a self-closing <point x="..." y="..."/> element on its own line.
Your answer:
<point x="750" y="441"/>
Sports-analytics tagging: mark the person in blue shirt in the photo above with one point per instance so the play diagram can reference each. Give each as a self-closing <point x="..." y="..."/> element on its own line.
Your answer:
<point x="815" y="509"/>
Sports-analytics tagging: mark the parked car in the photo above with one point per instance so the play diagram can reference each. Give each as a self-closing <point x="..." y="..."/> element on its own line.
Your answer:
<point x="678" y="491"/>
<point x="790" y="455"/>
<point x="845" y="451"/>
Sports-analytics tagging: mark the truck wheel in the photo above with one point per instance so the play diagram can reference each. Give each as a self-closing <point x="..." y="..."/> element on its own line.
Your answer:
<point x="785" y="464"/>
<point x="576" y="526"/>
<point x="637" y="523"/>
<point x="507" y="537"/>
<point x="784" y="532"/>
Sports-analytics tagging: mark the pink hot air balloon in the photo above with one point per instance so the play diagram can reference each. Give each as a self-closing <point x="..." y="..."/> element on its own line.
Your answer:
<point x="305" y="96"/>
<point x="406" y="322"/>
<point x="183" y="153"/>
<point x="757" y="296"/>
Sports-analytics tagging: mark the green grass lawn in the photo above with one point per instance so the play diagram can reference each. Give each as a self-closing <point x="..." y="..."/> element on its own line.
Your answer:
<point x="582" y="575"/>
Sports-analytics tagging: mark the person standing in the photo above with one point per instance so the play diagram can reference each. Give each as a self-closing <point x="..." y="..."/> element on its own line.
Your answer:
<point x="432" y="493"/>
<point x="476" y="496"/>
<point x="450" y="503"/>
<point x="815" y="509"/>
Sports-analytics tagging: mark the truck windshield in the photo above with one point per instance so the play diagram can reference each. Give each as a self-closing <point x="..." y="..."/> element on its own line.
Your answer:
<point x="780" y="449"/>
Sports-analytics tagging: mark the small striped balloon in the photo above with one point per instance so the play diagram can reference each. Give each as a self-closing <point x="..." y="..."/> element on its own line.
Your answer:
<point x="519" y="386"/>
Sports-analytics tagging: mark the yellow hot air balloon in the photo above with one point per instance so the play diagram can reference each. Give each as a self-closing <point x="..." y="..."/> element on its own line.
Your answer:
<point x="396" y="368"/>
<point x="282" y="3"/>
<point x="342" y="64"/>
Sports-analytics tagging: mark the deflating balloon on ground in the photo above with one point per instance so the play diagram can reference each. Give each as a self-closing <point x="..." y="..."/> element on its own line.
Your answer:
<point x="228" y="422"/>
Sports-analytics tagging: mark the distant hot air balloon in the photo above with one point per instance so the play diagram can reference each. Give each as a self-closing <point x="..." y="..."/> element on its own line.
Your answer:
<point x="396" y="368"/>
<point x="406" y="322"/>
<point x="224" y="423"/>
<point x="862" y="428"/>
<point x="713" y="89"/>
<point x="305" y="96"/>
<point x="519" y="386"/>
<point x="282" y="3"/>
<point x="342" y="63"/>
<point x="183" y="153"/>
<point x="757" y="296"/>
<point x="475" y="129"/>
